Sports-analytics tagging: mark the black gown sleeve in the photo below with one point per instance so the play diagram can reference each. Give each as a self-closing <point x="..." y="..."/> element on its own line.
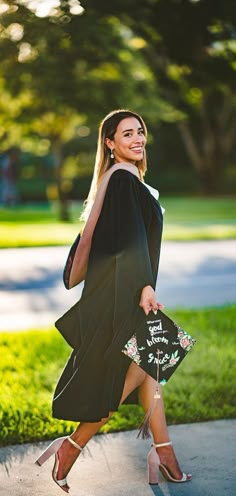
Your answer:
<point x="129" y="233"/>
<point x="130" y="249"/>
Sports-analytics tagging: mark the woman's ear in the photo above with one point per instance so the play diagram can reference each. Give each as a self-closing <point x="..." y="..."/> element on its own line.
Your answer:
<point x="109" y="143"/>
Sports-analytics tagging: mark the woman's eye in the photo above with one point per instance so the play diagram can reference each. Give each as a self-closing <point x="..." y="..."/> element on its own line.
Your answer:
<point x="127" y="135"/>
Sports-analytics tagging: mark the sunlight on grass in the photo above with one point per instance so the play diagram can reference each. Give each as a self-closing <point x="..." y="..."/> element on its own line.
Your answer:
<point x="185" y="219"/>
<point x="202" y="389"/>
<point x="184" y="232"/>
<point x="53" y="234"/>
<point x="199" y="209"/>
<point x="58" y="234"/>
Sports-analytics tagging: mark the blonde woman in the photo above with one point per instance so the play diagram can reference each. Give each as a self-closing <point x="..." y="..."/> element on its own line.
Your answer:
<point x="118" y="256"/>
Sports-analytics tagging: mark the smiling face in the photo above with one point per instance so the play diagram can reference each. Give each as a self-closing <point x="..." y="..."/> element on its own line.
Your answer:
<point x="129" y="141"/>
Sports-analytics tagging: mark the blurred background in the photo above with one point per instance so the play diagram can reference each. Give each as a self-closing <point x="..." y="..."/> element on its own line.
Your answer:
<point x="64" y="65"/>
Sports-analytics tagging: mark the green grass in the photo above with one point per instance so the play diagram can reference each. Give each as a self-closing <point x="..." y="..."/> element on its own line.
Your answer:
<point x="28" y="226"/>
<point x="185" y="219"/>
<point x="202" y="389"/>
<point x="199" y="218"/>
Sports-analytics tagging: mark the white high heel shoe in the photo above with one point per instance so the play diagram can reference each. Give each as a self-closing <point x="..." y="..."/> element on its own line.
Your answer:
<point x="154" y="465"/>
<point x="53" y="450"/>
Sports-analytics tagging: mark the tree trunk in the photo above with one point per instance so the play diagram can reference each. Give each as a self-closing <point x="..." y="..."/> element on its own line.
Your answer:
<point x="64" y="214"/>
<point x="207" y="157"/>
<point x="208" y="181"/>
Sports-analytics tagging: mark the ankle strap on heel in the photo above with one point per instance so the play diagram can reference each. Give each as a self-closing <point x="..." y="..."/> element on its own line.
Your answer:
<point x="75" y="444"/>
<point x="162" y="444"/>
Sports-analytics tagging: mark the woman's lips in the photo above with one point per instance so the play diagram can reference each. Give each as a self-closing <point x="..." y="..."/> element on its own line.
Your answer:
<point x="137" y="149"/>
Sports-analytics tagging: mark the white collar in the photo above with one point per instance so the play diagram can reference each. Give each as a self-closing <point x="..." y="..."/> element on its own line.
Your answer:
<point x="154" y="192"/>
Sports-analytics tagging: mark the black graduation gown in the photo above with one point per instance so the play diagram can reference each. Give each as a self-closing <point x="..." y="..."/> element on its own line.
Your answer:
<point x="124" y="258"/>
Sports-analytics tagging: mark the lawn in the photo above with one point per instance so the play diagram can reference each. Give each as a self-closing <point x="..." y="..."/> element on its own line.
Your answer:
<point x="37" y="225"/>
<point x="199" y="218"/>
<point x="185" y="219"/>
<point x="202" y="389"/>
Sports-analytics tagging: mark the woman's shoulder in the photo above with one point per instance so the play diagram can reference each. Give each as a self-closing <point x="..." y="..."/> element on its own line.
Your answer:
<point x="122" y="169"/>
<point x="122" y="172"/>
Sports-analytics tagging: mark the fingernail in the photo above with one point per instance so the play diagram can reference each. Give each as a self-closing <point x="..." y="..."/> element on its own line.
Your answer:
<point x="155" y="311"/>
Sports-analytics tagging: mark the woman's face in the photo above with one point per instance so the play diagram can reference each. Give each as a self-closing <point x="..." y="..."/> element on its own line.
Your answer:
<point x="129" y="141"/>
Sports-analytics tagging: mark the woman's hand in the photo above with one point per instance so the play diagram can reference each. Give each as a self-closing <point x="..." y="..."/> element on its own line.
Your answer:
<point x="148" y="300"/>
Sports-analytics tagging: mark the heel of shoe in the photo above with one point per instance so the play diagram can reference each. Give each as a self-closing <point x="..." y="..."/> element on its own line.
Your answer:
<point x="51" y="450"/>
<point x="153" y="463"/>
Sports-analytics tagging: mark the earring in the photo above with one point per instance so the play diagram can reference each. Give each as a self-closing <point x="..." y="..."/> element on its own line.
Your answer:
<point x="112" y="154"/>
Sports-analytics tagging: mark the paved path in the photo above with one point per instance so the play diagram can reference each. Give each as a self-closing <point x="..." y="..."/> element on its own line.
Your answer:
<point x="192" y="274"/>
<point x="115" y="465"/>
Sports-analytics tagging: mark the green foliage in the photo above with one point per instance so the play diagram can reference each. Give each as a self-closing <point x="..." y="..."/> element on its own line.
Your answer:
<point x="202" y="389"/>
<point x="189" y="48"/>
<point x="58" y="71"/>
<point x="61" y="71"/>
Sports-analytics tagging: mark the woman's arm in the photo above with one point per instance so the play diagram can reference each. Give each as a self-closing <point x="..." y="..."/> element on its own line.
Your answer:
<point x="130" y="241"/>
<point x="128" y="244"/>
<point x="128" y="236"/>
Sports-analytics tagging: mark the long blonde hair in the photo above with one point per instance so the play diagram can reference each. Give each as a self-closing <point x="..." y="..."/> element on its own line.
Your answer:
<point x="103" y="161"/>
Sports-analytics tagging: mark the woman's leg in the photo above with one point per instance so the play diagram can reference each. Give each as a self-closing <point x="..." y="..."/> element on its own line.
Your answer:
<point x="85" y="431"/>
<point x="158" y="424"/>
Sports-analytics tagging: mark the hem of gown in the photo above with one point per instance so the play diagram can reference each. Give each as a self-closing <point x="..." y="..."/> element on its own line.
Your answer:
<point x="132" y="399"/>
<point x="88" y="418"/>
<point x="80" y="419"/>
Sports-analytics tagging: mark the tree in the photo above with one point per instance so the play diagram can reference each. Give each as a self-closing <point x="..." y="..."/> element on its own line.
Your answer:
<point x="190" y="48"/>
<point x="72" y="67"/>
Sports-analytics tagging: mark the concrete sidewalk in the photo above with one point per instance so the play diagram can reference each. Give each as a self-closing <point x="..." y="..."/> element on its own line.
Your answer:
<point x="115" y="465"/>
<point x="32" y="294"/>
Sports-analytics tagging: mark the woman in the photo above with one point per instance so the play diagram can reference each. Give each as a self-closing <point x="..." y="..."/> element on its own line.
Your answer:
<point x="118" y="254"/>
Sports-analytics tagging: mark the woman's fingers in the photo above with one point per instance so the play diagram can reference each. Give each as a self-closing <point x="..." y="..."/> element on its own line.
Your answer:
<point x="158" y="306"/>
<point x="147" y="306"/>
<point x="148" y="301"/>
<point x="146" y="309"/>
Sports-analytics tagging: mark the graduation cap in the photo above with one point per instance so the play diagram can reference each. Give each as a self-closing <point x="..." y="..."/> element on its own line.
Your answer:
<point x="167" y="344"/>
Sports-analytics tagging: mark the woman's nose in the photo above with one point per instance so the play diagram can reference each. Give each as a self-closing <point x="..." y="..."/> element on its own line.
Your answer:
<point x="139" y="138"/>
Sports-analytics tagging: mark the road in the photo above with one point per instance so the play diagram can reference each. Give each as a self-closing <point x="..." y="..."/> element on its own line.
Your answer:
<point x="191" y="275"/>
